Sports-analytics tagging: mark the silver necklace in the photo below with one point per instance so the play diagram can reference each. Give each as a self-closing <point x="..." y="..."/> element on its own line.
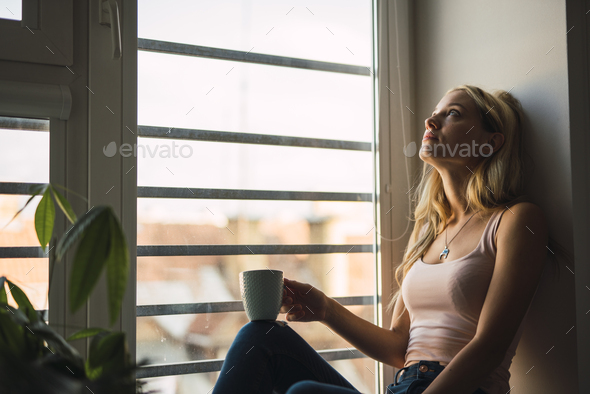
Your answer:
<point x="446" y="251"/>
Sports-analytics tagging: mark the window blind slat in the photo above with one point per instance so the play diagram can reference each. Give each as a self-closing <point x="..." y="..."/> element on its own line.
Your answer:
<point x="249" y="138"/>
<point x="177" y="48"/>
<point x="225" y="306"/>
<point x="202" y="366"/>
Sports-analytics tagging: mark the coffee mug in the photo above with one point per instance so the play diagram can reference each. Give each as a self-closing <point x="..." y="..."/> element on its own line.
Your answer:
<point x="262" y="293"/>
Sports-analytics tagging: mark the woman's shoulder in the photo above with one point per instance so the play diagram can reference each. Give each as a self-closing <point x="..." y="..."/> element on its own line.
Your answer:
<point x="522" y="206"/>
<point x="520" y="203"/>
<point x="522" y="213"/>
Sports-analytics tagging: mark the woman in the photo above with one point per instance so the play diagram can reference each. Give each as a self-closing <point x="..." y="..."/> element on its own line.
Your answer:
<point x="467" y="277"/>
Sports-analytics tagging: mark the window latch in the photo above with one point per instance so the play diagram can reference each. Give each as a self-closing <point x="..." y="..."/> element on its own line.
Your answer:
<point x="108" y="15"/>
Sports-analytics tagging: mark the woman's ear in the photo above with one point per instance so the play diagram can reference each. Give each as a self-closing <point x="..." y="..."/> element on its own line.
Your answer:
<point x="496" y="141"/>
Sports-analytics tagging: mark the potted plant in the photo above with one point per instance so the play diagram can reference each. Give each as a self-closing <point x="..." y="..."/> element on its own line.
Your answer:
<point x="34" y="358"/>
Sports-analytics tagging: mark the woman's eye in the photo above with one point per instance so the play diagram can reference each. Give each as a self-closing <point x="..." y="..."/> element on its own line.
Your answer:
<point x="455" y="111"/>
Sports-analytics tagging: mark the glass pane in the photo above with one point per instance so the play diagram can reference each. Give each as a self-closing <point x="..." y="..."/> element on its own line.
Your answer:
<point x="251" y="167"/>
<point x="181" y="338"/>
<point x="11" y="9"/>
<point x="334" y="31"/>
<point x="21" y="230"/>
<point x="181" y="384"/>
<point x="189" y="92"/>
<point x="216" y="222"/>
<point x="197" y="93"/>
<point x="24" y="157"/>
<point x="357" y="372"/>
<point x="31" y="275"/>
<point x="190" y="279"/>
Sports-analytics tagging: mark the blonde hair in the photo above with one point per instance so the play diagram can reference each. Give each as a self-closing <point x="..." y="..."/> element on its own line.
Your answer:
<point x="496" y="181"/>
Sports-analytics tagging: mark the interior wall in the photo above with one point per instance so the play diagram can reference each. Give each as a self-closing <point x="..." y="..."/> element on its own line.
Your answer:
<point x="517" y="46"/>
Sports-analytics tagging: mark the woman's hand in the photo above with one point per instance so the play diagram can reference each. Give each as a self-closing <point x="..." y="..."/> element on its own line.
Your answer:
<point x="303" y="302"/>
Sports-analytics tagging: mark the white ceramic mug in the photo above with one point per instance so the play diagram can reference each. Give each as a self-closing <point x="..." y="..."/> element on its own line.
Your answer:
<point x="262" y="293"/>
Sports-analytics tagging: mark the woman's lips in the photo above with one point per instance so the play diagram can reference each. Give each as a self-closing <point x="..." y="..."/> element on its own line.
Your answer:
<point x="429" y="135"/>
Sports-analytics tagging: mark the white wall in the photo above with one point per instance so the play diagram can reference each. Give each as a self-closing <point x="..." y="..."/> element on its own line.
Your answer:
<point x="494" y="45"/>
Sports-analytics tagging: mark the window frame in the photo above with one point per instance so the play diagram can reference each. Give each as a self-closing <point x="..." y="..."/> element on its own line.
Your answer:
<point x="395" y="97"/>
<point x="53" y="22"/>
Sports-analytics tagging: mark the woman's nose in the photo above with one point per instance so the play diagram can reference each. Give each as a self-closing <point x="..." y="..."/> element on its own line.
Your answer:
<point x="429" y="123"/>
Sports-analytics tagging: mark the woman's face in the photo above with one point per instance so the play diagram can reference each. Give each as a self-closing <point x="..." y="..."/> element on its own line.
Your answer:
<point x="459" y="135"/>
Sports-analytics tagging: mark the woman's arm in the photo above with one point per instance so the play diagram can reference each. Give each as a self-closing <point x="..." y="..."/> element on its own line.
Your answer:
<point x="306" y="303"/>
<point x="387" y="346"/>
<point x="520" y="258"/>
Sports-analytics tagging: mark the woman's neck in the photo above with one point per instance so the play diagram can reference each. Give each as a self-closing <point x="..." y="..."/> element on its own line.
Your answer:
<point x="455" y="186"/>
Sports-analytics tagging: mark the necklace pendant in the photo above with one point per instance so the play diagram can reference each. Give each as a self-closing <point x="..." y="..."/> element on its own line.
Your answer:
<point x="444" y="253"/>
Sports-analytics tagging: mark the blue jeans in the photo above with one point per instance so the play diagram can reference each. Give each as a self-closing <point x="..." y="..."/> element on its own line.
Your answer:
<point x="267" y="357"/>
<point x="417" y="377"/>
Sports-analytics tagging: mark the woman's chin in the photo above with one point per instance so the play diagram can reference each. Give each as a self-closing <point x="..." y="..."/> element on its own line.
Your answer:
<point x="425" y="154"/>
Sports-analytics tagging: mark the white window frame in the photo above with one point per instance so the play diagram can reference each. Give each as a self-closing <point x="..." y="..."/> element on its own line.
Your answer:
<point x="88" y="77"/>
<point x="396" y="122"/>
<point x="46" y="31"/>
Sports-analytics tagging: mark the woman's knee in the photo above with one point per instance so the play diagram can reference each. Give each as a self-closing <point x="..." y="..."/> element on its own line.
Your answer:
<point x="303" y="387"/>
<point x="255" y="328"/>
<point x="262" y="331"/>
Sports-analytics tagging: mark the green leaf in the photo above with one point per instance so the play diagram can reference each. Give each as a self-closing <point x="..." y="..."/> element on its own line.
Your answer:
<point x="23" y="302"/>
<point x="108" y="351"/>
<point x="3" y="295"/>
<point x="57" y="343"/>
<point x="34" y="190"/>
<point x="12" y="338"/>
<point x="16" y="315"/>
<point x="64" y="205"/>
<point x="92" y="373"/>
<point x="90" y="259"/>
<point x="29" y="345"/>
<point x="44" y="218"/>
<point x="88" y="332"/>
<point x="76" y="231"/>
<point x="38" y="188"/>
<point x="69" y="191"/>
<point x="117" y="268"/>
<point x="93" y="364"/>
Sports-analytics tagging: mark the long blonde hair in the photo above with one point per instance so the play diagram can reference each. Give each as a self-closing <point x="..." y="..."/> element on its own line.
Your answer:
<point x="496" y="181"/>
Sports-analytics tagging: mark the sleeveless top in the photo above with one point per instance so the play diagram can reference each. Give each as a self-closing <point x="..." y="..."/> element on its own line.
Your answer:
<point x="444" y="302"/>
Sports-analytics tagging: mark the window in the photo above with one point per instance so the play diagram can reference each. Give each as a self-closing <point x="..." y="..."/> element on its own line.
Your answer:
<point x="22" y="261"/>
<point x="45" y="31"/>
<point x="255" y="150"/>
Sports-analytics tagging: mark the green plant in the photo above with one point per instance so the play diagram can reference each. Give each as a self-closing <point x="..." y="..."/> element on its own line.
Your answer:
<point x="33" y="357"/>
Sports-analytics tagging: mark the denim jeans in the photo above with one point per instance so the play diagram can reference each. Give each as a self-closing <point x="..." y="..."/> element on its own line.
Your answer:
<point x="269" y="357"/>
<point x="417" y="377"/>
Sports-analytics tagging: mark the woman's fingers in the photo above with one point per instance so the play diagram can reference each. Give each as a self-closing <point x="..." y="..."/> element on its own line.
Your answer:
<point x="292" y="285"/>
<point x="291" y="308"/>
<point x="295" y="315"/>
<point x="289" y="289"/>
